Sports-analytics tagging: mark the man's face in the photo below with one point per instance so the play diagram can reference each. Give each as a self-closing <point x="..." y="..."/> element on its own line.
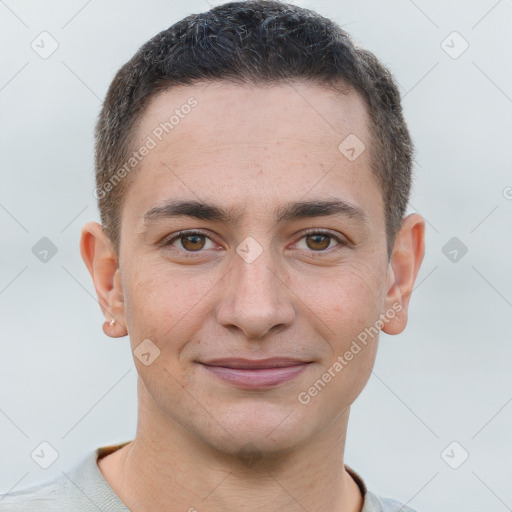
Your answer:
<point x="256" y="286"/>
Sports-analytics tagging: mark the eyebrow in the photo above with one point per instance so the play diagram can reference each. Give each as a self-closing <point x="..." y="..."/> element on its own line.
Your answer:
<point x="285" y="213"/>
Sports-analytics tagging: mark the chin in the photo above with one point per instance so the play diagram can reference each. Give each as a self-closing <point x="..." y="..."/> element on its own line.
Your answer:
<point x="256" y="430"/>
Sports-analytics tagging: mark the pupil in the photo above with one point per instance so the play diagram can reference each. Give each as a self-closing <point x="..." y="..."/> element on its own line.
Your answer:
<point x="195" y="239"/>
<point x="317" y="241"/>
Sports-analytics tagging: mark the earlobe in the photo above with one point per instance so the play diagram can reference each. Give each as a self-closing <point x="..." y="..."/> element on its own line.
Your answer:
<point x="101" y="261"/>
<point x="408" y="252"/>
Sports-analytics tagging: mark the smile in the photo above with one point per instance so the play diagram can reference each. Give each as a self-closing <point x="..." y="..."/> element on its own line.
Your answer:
<point x="256" y="374"/>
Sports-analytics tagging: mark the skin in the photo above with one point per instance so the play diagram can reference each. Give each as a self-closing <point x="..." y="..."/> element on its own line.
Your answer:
<point x="254" y="149"/>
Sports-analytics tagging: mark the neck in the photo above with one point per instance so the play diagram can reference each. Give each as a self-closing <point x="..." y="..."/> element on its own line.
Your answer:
<point x="167" y="468"/>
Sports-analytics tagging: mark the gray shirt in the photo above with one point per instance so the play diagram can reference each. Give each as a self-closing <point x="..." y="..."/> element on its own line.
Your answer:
<point x="83" y="488"/>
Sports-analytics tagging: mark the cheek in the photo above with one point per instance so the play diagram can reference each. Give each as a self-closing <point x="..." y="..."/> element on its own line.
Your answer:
<point x="345" y="311"/>
<point x="346" y="301"/>
<point x="163" y="305"/>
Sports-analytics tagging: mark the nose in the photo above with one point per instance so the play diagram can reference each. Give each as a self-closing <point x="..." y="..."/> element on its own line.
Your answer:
<point x="255" y="297"/>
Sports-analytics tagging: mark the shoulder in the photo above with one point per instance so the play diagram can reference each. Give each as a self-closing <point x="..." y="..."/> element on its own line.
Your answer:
<point x="375" y="503"/>
<point x="80" y="489"/>
<point x="41" y="498"/>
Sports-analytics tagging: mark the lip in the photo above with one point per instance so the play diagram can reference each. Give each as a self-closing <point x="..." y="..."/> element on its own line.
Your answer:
<point x="256" y="373"/>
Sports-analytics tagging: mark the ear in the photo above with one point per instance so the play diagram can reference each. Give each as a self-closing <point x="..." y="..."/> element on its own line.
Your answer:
<point x="100" y="259"/>
<point x="408" y="252"/>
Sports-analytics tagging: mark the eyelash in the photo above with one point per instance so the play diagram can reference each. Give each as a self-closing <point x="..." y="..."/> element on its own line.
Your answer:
<point x="343" y="243"/>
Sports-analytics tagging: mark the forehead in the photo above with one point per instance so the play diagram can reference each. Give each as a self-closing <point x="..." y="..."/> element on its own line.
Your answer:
<point x="261" y="141"/>
<point x="297" y="110"/>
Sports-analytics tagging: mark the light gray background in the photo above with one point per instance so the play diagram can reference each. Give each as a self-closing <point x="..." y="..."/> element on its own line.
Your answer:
<point x="446" y="378"/>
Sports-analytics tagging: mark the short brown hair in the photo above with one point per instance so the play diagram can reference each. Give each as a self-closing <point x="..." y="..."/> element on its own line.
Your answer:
<point x="252" y="42"/>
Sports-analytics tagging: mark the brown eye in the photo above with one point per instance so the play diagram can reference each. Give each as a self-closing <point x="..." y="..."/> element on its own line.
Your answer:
<point x="192" y="242"/>
<point x="318" y="242"/>
<point x="189" y="242"/>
